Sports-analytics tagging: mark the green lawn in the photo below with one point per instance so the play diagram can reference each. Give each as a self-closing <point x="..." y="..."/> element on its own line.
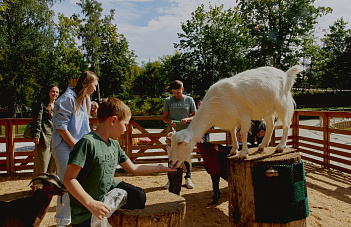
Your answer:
<point x="20" y="129"/>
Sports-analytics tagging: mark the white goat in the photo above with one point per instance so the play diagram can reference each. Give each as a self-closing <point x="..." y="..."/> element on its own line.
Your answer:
<point x="262" y="93"/>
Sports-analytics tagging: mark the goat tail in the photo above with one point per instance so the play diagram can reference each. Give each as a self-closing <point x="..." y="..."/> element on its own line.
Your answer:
<point x="291" y="76"/>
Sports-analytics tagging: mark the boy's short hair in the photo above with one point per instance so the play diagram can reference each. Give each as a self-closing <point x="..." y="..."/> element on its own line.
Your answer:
<point x="176" y="84"/>
<point x="113" y="107"/>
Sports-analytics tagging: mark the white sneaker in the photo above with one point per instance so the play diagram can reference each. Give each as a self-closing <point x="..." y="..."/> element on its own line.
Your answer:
<point x="188" y="183"/>
<point x="167" y="185"/>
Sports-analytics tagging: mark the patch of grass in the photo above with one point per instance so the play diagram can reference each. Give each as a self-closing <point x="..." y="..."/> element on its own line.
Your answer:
<point x="19" y="131"/>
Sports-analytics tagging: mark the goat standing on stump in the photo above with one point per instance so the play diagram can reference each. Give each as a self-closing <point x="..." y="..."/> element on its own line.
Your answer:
<point x="31" y="211"/>
<point x="262" y="93"/>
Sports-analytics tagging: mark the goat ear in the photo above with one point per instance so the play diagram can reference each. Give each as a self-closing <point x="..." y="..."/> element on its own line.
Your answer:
<point x="187" y="139"/>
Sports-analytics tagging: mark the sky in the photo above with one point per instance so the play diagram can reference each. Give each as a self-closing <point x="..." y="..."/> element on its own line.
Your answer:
<point x="151" y="26"/>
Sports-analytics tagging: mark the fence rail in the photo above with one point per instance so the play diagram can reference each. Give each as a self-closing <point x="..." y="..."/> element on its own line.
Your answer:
<point x="321" y="143"/>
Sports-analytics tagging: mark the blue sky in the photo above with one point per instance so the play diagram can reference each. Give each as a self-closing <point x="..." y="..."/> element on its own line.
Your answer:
<point x="151" y="26"/>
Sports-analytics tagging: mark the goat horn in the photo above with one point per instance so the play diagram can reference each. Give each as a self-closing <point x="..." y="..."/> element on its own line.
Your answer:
<point x="50" y="178"/>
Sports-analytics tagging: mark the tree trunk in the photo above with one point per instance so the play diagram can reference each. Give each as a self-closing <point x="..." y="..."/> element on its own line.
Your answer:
<point x="257" y="195"/>
<point x="162" y="209"/>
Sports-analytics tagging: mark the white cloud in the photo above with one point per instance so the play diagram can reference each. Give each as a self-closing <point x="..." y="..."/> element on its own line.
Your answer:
<point x="157" y="38"/>
<point x="341" y="8"/>
<point x="151" y="26"/>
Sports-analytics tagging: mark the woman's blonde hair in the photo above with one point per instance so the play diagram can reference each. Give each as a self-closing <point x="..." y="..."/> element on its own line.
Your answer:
<point x="81" y="90"/>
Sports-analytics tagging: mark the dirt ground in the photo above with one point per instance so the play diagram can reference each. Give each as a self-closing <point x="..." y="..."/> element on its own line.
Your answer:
<point x="329" y="195"/>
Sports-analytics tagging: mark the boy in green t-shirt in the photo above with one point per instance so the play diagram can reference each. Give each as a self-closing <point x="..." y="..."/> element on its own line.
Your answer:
<point x="92" y="164"/>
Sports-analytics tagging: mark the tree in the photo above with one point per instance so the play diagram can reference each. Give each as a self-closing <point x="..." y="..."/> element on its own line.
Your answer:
<point x="90" y="33"/>
<point x="26" y="41"/>
<point x="150" y="83"/>
<point x="175" y="67"/>
<point x="337" y="49"/>
<point x="116" y="61"/>
<point x="106" y="51"/>
<point x="215" y="43"/>
<point x="4" y="5"/>
<point x="312" y="60"/>
<point x="279" y="28"/>
<point x="69" y="60"/>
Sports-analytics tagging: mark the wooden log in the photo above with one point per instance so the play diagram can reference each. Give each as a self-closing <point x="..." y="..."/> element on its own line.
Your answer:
<point x="241" y="187"/>
<point x="162" y="209"/>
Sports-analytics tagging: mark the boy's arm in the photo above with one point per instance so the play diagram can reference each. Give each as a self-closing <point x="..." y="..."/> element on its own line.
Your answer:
<point x="97" y="208"/>
<point x="130" y="167"/>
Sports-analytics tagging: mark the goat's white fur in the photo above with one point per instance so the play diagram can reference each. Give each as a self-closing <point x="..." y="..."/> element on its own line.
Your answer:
<point x="262" y="93"/>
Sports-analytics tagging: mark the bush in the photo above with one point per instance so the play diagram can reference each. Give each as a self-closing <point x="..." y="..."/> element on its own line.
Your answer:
<point x="322" y="99"/>
<point x="146" y="107"/>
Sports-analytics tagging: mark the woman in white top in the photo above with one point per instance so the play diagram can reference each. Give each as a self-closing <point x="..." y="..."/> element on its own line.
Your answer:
<point x="70" y="124"/>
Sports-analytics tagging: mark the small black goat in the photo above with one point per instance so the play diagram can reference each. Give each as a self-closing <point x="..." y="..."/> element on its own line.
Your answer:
<point x="31" y="211"/>
<point x="215" y="163"/>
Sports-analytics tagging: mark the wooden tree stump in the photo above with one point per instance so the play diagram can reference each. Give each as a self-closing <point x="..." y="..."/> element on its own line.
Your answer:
<point x="162" y="209"/>
<point x="242" y="183"/>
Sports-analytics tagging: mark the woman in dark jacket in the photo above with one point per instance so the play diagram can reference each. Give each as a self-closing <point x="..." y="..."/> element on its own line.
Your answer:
<point x="42" y="118"/>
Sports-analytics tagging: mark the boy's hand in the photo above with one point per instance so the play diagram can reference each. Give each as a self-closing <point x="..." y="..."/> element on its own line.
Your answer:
<point x="99" y="209"/>
<point x="261" y="133"/>
<point x="166" y="169"/>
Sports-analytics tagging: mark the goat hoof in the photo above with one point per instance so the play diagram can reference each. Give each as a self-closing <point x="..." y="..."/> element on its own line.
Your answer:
<point x="233" y="151"/>
<point x="243" y="155"/>
<point x="260" y="148"/>
<point x="229" y="155"/>
<point x="279" y="149"/>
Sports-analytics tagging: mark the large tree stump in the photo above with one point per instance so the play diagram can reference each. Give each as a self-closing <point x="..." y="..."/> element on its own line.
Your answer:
<point x="162" y="209"/>
<point x="242" y="208"/>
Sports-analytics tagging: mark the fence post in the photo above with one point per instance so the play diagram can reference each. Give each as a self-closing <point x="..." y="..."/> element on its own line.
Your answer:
<point x="10" y="146"/>
<point x="128" y="137"/>
<point x="228" y="138"/>
<point x="295" y="130"/>
<point x="326" y="140"/>
<point x="8" y="168"/>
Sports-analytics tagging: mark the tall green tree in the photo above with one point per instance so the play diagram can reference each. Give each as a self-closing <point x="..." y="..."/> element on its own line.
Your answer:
<point x="150" y="83"/>
<point x="312" y="60"/>
<point x="69" y="60"/>
<point x="4" y="5"/>
<point x="337" y="63"/>
<point x="26" y="44"/>
<point x="106" y="51"/>
<point x="279" y="28"/>
<point x="175" y="67"/>
<point x="215" y="42"/>
<point x="90" y="33"/>
<point x="116" y="61"/>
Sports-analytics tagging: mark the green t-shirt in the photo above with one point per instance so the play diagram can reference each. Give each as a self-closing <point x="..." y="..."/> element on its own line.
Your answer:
<point x="99" y="160"/>
<point x="179" y="109"/>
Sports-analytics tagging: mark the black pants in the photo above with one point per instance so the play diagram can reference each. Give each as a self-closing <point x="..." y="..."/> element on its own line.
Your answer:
<point x="136" y="199"/>
<point x="187" y="166"/>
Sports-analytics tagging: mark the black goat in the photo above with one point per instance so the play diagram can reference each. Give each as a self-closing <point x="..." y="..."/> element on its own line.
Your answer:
<point x="215" y="163"/>
<point x="31" y="211"/>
